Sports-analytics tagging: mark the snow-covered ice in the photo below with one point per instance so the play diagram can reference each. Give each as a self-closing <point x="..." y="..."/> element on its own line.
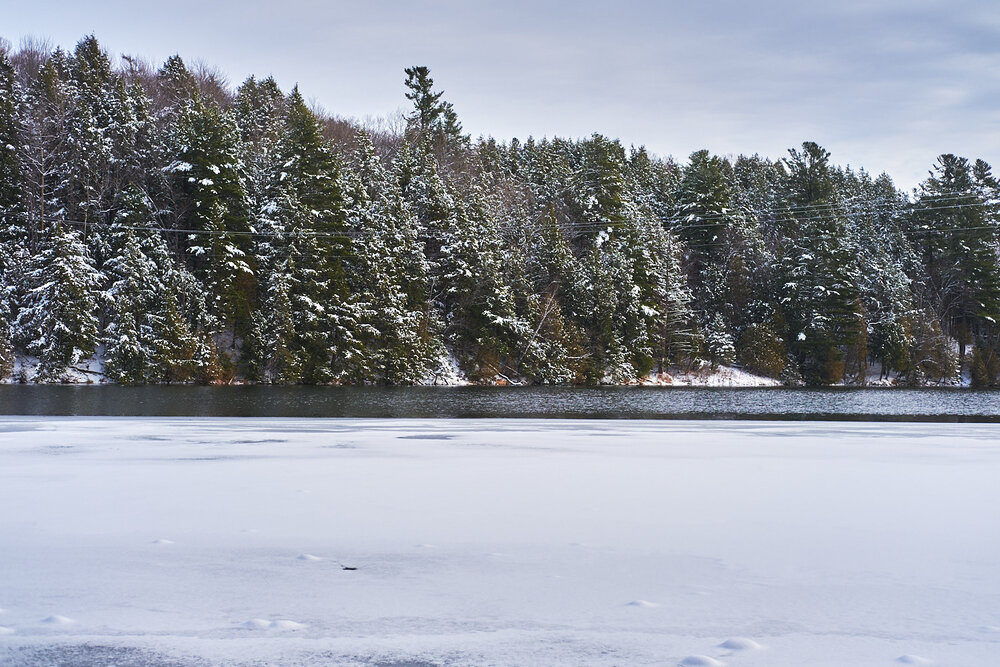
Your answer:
<point x="224" y="541"/>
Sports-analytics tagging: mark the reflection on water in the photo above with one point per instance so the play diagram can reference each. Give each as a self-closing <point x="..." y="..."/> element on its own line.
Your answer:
<point x="572" y="402"/>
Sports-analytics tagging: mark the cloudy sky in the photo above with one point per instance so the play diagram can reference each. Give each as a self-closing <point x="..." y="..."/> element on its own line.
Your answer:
<point x="887" y="85"/>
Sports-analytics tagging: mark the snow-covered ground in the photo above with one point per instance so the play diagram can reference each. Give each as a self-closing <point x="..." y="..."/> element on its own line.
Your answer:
<point x="722" y="376"/>
<point x="506" y="542"/>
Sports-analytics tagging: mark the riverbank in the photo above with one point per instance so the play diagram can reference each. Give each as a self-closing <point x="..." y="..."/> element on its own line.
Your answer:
<point x="91" y="371"/>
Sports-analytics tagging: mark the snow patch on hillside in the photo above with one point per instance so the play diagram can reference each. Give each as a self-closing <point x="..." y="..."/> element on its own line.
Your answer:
<point x="86" y="371"/>
<point x="723" y="376"/>
<point x="447" y="373"/>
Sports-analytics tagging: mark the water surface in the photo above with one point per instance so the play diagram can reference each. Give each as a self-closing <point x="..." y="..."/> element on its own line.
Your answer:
<point x="525" y="402"/>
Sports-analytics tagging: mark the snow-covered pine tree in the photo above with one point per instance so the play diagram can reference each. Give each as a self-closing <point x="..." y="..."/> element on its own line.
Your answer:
<point x="6" y="345"/>
<point x="481" y="325"/>
<point x="58" y="321"/>
<point x="539" y="337"/>
<point x="88" y="170"/>
<point x="958" y="239"/>
<point x="705" y="220"/>
<point x="11" y="221"/>
<point x="876" y="209"/>
<point x="391" y="275"/>
<point x="134" y="293"/>
<point x="156" y="313"/>
<point x="11" y="218"/>
<point x="825" y="316"/>
<point x="635" y="304"/>
<point x="307" y="216"/>
<point x="272" y="355"/>
<point x="555" y="350"/>
<point x="204" y="168"/>
<point x="259" y="113"/>
<point x="44" y="148"/>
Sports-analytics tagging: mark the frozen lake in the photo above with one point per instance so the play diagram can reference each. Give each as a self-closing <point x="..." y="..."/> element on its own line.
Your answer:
<point x="223" y="541"/>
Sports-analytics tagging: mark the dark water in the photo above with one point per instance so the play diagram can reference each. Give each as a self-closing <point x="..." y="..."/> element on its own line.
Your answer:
<point x="566" y="402"/>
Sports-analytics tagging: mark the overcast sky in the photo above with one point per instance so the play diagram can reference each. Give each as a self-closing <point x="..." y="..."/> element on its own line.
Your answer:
<point x="885" y="85"/>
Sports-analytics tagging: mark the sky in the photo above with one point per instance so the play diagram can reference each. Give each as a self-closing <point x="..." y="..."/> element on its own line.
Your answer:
<point x="885" y="85"/>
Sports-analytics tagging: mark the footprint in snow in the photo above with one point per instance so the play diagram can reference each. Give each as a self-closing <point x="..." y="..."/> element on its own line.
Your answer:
<point x="913" y="660"/>
<point x="263" y="624"/>
<point x="58" y="620"/>
<point x="740" y="644"/>
<point x="308" y="557"/>
<point x="6" y="631"/>
<point x="163" y="541"/>
<point x="646" y="604"/>
<point x="700" y="661"/>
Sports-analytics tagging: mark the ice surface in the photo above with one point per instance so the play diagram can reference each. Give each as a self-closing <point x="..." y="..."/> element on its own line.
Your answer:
<point x="507" y="542"/>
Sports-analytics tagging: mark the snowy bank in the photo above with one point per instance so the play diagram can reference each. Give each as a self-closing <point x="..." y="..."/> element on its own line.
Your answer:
<point x="447" y="373"/>
<point x="721" y="376"/>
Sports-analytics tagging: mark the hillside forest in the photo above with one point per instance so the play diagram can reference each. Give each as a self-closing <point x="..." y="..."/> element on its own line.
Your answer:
<point x="181" y="229"/>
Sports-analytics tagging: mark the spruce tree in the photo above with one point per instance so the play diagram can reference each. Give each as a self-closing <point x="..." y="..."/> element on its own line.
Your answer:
<point x="58" y="321"/>
<point x="307" y="216"/>
<point x="959" y="242"/>
<point x="825" y="316"/>
<point x="204" y="168"/>
<point x="391" y="276"/>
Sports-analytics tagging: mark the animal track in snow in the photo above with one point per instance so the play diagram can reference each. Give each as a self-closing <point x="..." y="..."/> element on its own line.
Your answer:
<point x="58" y="620"/>
<point x="700" y="661"/>
<point x="740" y="644"/>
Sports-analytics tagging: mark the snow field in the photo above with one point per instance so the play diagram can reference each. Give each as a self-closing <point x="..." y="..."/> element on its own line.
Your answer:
<point x="484" y="542"/>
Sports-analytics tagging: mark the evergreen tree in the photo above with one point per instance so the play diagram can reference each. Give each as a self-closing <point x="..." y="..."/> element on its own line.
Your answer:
<point x="44" y="149"/>
<point x="202" y="149"/>
<point x="307" y="213"/>
<point x="11" y="221"/>
<point x="958" y="242"/>
<point x="391" y="276"/>
<point x="58" y="323"/>
<point x="432" y="118"/>
<point x="826" y="320"/>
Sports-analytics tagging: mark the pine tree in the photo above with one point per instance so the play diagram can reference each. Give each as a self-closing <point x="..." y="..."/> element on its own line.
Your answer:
<point x="959" y="242"/>
<point x="58" y="323"/>
<point x="432" y="119"/>
<point x="825" y="316"/>
<point x="202" y="150"/>
<point x="89" y="161"/>
<point x="44" y="149"/>
<point x="11" y="229"/>
<point x="306" y="213"/>
<point x="11" y="216"/>
<point x="391" y="277"/>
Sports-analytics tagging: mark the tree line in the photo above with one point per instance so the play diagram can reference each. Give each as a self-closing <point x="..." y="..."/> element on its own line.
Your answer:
<point x="186" y="231"/>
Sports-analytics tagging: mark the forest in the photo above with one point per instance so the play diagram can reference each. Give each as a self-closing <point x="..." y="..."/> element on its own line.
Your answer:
<point x="183" y="230"/>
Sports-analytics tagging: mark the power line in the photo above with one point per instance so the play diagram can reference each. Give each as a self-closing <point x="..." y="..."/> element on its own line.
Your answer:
<point x="569" y="226"/>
